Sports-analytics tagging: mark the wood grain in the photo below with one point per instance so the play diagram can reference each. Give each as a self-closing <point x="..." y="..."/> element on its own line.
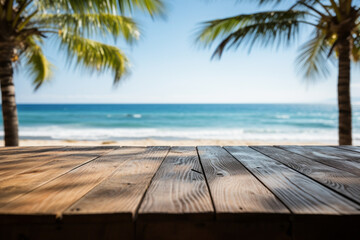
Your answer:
<point x="72" y="193"/>
<point x="343" y="182"/>
<point x="350" y="148"/>
<point x="20" y="150"/>
<point x="121" y="193"/>
<point x="178" y="189"/>
<point x="22" y="183"/>
<point x="13" y="164"/>
<point x="322" y="156"/>
<point x="234" y="190"/>
<point x="336" y="152"/>
<point x="57" y="195"/>
<point x="300" y="194"/>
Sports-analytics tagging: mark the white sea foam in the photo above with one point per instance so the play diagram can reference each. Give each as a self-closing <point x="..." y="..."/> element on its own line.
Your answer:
<point x="133" y="115"/>
<point x="61" y="133"/>
<point x="282" y="116"/>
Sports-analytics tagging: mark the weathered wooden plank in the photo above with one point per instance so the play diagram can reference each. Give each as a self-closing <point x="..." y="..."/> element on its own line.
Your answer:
<point x="178" y="204"/>
<point x="177" y="199"/>
<point x="19" y="149"/>
<point x="336" y="152"/>
<point x="343" y="182"/>
<point x="24" y="162"/>
<point x="7" y="155"/>
<point x="178" y="189"/>
<point x="26" y="149"/>
<point x="31" y="159"/>
<point x="242" y="203"/>
<point x="298" y="192"/>
<point x="24" y="182"/>
<point x="120" y="194"/>
<point x="56" y="196"/>
<point x="350" y="148"/>
<point x="233" y="189"/>
<point x="326" y="158"/>
<point x="12" y="155"/>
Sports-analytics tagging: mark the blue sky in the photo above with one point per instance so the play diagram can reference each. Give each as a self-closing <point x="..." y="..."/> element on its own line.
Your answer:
<point x="168" y="67"/>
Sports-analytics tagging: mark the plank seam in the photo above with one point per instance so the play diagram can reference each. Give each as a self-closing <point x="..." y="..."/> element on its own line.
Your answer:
<point x="329" y="165"/>
<point x="50" y="180"/>
<point x="333" y="190"/>
<point x="112" y="173"/>
<point x="346" y="149"/>
<point x="58" y="215"/>
<point x="291" y="213"/>
<point x="59" y="149"/>
<point x="143" y="196"/>
<point x="207" y="183"/>
<point x="348" y="158"/>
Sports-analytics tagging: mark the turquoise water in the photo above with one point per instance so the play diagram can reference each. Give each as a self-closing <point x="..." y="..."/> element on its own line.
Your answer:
<point x="263" y="122"/>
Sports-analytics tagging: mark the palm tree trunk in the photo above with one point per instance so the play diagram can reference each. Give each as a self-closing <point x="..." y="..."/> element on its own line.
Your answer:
<point x="9" y="110"/>
<point x="344" y="101"/>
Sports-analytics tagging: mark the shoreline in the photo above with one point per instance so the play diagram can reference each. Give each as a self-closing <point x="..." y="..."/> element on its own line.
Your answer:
<point x="156" y="142"/>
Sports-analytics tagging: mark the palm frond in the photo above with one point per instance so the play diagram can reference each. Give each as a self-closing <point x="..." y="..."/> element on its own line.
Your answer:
<point x="37" y="64"/>
<point x="355" y="50"/>
<point x="313" y="59"/>
<point x="264" y="28"/>
<point x="21" y="9"/>
<point x="153" y="7"/>
<point x="88" y="24"/>
<point x="76" y="6"/>
<point x="263" y="1"/>
<point x="94" y="55"/>
<point x="277" y="2"/>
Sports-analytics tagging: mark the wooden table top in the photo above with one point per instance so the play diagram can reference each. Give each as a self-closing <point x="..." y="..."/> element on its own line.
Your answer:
<point x="206" y="192"/>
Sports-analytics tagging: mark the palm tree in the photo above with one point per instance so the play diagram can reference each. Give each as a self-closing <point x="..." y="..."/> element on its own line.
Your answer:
<point x="335" y="27"/>
<point x="25" y="24"/>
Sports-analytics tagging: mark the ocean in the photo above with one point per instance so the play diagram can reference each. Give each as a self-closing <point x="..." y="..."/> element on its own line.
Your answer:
<point x="251" y="122"/>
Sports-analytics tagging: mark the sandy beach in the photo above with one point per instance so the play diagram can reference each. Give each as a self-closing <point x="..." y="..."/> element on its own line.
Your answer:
<point x="155" y="142"/>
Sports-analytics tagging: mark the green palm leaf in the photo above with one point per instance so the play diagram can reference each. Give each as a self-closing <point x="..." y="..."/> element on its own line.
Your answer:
<point x="94" y="55"/>
<point x="263" y="28"/>
<point x="355" y="51"/>
<point x="88" y="24"/>
<point x="77" y="6"/>
<point x="37" y="64"/>
<point x="313" y="57"/>
<point x="276" y="2"/>
<point x="153" y="7"/>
